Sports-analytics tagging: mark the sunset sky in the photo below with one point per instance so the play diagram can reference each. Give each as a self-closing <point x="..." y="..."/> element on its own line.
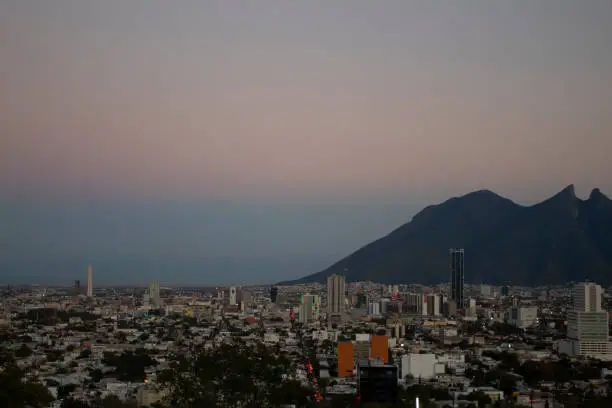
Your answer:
<point x="216" y="141"/>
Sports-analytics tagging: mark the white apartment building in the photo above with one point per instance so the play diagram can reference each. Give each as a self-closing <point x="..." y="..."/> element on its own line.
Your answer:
<point x="471" y="307"/>
<point x="374" y="308"/>
<point x="522" y="317"/>
<point x="426" y="366"/>
<point x="587" y="324"/>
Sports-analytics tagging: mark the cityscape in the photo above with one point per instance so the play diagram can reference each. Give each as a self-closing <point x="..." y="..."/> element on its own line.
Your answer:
<point x="337" y="344"/>
<point x="305" y="204"/>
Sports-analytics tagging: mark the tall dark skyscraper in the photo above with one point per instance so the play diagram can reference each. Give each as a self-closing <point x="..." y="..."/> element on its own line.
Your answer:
<point x="457" y="276"/>
<point x="274" y="294"/>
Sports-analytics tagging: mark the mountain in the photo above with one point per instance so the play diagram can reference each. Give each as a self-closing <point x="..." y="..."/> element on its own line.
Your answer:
<point x="558" y="240"/>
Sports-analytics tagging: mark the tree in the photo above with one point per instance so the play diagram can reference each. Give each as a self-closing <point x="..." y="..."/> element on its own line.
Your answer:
<point x="111" y="401"/>
<point x="15" y="390"/>
<point x="23" y="351"/>
<point x="130" y="366"/>
<point x="480" y="398"/>
<point x="232" y="375"/>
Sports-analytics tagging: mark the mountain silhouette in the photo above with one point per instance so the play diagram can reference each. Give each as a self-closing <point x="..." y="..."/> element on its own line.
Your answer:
<point x="558" y="240"/>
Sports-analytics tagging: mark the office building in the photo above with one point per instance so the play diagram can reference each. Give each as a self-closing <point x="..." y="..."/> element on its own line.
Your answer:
<point x="450" y="308"/>
<point x="457" y="276"/>
<point x="415" y="303"/>
<point x="336" y="288"/>
<point x="470" y="307"/>
<point x="587" y="324"/>
<point x="232" y="296"/>
<point x="90" y="281"/>
<point x="374" y="308"/>
<point x="244" y="297"/>
<point x="522" y="317"/>
<point x="421" y="366"/>
<point x="434" y="305"/>
<point x="274" y="294"/>
<point x="155" y="294"/>
<point x="586" y="297"/>
<point x="377" y="382"/>
<point x="384" y="305"/>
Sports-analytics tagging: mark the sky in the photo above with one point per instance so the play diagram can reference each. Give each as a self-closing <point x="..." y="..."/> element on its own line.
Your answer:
<point x="227" y="141"/>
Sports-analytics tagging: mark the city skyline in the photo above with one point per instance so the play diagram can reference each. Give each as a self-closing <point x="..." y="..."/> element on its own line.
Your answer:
<point x="256" y="143"/>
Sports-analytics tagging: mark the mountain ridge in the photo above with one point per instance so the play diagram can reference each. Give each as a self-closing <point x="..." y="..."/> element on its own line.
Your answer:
<point x="559" y="239"/>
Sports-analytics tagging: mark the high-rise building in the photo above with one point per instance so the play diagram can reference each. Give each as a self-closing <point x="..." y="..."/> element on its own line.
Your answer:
<point x="449" y="308"/>
<point x="434" y="305"/>
<point x="89" y="281"/>
<point x="485" y="290"/>
<point x="587" y="324"/>
<point x="155" y="294"/>
<point x="274" y="294"/>
<point x="244" y="297"/>
<point x="416" y="303"/>
<point x="309" y="309"/>
<point x="377" y="381"/>
<point x="374" y="308"/>
<point x="522" y="317"/>
<point x="457" y="276"/>
<point x="232" y="295"/>
<point x="470" y="309"/>
<point x="335" y="294"/>
<point x="586" y="297"/>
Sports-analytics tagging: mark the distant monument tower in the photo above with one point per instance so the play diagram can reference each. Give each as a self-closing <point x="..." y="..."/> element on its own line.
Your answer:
<point x="89" y="281"/>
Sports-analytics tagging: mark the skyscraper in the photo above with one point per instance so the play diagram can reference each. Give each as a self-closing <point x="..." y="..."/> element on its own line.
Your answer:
<point x="155" y="293"/>
<point x="335" y="294"/>
<point x="274" y="294"/>
<point x="587" y="324"/>
<point x="457" y="276"/>
<point x="232" y="295"/>
<point x="587" y="297"/>
<point x="89" y="281"/>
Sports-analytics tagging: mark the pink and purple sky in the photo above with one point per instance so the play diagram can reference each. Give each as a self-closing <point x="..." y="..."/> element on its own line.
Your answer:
<point x="278" y="136"/>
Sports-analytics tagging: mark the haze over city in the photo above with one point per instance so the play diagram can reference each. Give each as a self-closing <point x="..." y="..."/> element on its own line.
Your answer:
<point x="216" y="142"/>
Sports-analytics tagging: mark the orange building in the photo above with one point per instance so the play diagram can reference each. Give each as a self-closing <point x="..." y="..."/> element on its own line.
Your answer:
<point x="346" y="359"/>
<point x="380" y="348"/>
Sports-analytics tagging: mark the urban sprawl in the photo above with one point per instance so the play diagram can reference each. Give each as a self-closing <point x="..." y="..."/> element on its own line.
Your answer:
<point x="336" y="344"/>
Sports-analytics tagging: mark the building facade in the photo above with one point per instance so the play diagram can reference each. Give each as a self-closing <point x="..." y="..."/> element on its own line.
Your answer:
<point x="336" y="287"/>
<point x="457" y="263"/>
<point x="587" y="324"/>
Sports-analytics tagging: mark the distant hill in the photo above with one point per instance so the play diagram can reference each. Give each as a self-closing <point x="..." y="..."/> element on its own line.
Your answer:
<point x="558" y="240"/>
